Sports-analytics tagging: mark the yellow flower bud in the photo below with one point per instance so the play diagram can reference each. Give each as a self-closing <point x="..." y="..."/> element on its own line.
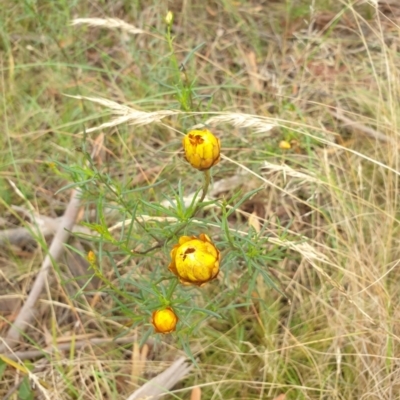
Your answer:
<point x="91" y="257"/>
<point x="169" y="18"/>
<point x="164" y="321"/>
<point x="195" y="261"/>
<point x="202" y="149"/>
<point x="284" y="145"/>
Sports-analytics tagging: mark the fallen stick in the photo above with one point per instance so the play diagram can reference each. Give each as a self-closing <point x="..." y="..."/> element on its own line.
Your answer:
<point x="164" y="382"/>
<point x="67" y="222"/>
<point x="23" y="236"/>
<point x="30" y="354"/>
<point x="26" y="313"/>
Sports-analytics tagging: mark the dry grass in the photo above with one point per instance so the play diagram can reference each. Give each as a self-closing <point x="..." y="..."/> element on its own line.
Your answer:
<point x="277" y="71"/>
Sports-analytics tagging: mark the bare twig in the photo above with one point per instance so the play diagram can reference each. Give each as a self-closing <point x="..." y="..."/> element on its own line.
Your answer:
<point x="26" y="313"/>
<point x="30" y="354"/>
<point x="163" y="383"/>
<point x="67" y="222"/>
<point x="23" y="236"/>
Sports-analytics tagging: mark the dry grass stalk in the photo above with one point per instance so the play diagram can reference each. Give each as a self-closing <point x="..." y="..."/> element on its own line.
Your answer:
<point x="139" y="358"/>
<point x="372" y="133"/>
<point x="21" y="195"/>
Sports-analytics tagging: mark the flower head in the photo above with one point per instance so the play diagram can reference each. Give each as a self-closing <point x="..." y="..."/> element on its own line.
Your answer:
<point x="195" y="261"/>
<point x="164" y="321"/>
<point x="202" y="149"/>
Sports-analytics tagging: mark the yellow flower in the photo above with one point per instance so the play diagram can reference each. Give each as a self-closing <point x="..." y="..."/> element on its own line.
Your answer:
<point x="202" y="149"/>
<point x="195" y="260"/>
<point x="164" y="321"/>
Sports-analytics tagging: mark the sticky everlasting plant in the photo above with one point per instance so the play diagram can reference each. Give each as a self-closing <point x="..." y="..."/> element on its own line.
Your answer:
<point x="194" y="260"/>
<point x="169" y="264"/>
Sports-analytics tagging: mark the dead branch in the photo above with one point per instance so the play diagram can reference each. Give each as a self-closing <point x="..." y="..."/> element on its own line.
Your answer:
<point x="163" y="383"/>
<point x="31" y="354"/>
<point x="67" y="222"/>
<point x="24" y="236"/>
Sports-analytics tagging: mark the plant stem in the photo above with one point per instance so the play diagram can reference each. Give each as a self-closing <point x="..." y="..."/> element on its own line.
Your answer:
<point x="172" y="289"/>
<point x="206" y="185"/>
<point x="207" y="180"/>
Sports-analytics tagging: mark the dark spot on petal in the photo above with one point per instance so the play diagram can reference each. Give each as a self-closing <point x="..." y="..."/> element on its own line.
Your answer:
<point x="199" y="139"/>
<point x="195" y="140"/>
<point x="188" y="251"/>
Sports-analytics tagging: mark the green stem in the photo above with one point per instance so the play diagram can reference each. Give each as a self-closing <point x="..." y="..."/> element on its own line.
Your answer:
<point x="206" y="185"/>
<point x="172" y="289"/>
<point x="185" y="95"/>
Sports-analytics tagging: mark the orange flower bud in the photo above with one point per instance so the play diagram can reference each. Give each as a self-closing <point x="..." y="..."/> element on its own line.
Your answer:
<point x="202" y="149"/>
<point x="91" y="257"/>
<point x="195" y="261"/>
<point x="164" y="321"/>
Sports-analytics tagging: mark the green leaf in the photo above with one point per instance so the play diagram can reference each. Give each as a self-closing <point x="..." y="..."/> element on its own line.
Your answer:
<point x="242" y="200"/>
<point x="25" y="392"/>
<point x="188" y="351"/>
<point x="3" y="367"/>
<point x="140" y="189"/>
<point x="191" y="52"/>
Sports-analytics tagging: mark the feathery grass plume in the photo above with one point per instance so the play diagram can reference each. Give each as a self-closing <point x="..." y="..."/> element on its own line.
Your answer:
<point x="288" y="171"/>
<point x="265" y="124"/>
<point x="244" y="121"/>
<point x="109" y="23"/>
<point x="126" y="114"/>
